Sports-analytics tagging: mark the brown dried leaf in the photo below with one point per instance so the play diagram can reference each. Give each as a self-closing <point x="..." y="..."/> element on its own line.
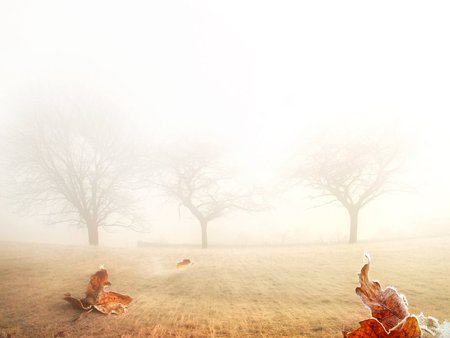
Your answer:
<point x="113" y="297"/>
<point x="185" y="262"/>
<point x="111" y="308"/>
<point x="96" y="297"/>
<point x="369" y="328"/>
<point x="408" y="328"/>
<point x="372" y="328"/>
<point x="97" y="283"/>
<point x="77" y="303"/>
<point x="387" y="306"/>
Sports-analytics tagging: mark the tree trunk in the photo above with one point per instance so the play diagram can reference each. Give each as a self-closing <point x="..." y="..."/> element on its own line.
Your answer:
<point x="353" y="212"/>
<point x="92" y="233"/>
<point x="204" y="226"/>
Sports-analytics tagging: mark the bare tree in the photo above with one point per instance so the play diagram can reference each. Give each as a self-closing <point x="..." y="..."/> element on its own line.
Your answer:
<point x="352" y="173"/>
<point x="75" y="168"/>
<point x="191" y="175"/>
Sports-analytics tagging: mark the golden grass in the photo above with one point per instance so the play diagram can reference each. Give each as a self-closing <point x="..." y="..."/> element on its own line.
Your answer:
<point x="228" y="292"/>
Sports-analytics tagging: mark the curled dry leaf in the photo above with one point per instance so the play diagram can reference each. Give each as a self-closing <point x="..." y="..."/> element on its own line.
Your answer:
<point x="99" y="299"/>
<point x="390" y="313"/>
<point x="372" y="328"/>
<point x="96" y="285"/>
<point x="111" y="308"/>
<point x="78" y="303"/>
<point x="369" y="328"/>
<point x="390" y="316"/>
<point x="185" y="262"/>
<point x="387" y="306"/>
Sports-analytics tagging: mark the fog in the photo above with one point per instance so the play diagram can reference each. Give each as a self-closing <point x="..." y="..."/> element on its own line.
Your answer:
<point x="259" y="80"/>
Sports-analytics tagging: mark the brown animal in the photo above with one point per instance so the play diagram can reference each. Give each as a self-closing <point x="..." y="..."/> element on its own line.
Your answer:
<point x="185" y="262"/>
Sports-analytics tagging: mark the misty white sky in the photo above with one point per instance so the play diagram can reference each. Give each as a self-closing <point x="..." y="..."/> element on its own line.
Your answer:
<point x="258" y="75"/>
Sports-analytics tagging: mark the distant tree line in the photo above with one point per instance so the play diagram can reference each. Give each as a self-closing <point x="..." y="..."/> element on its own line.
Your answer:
<point x="83" y="172"/>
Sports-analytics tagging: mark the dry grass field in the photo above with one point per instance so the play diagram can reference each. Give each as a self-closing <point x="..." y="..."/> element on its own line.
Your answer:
<point x="303" y="291"/>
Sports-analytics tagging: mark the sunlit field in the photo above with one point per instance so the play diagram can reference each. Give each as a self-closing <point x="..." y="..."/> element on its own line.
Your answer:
<point x="303" y="291"/>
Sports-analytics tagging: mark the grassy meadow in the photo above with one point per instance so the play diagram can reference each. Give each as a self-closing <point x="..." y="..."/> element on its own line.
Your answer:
<point x="305" y="291"/>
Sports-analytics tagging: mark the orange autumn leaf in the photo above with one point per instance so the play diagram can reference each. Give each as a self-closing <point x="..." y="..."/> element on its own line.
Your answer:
<point x="387" y="306"/>
<point x="390" y="317"/>
<point x="96" y="285"/>
<point x="369" y="328"/>
<point x="97" y="282"/>
<point x="372" y="328"/>
<point x="113" y="297"/>
<point x="110" y="308"/>
<point x="107" y="302"/>
<point x="409" y="328"/>
<point x="185" y="262"/>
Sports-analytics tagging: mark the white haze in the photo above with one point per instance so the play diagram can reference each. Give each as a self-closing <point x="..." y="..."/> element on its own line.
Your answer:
<point x="258" y="76"/>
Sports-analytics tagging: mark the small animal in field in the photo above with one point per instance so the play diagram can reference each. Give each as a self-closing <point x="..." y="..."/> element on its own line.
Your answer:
<point x="184" y="263"/>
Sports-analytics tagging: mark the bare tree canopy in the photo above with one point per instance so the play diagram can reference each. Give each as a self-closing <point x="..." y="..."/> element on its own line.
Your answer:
<point x="192" y="175"/>
<point x="75" y="166"/>
<point x="352" y="173"/>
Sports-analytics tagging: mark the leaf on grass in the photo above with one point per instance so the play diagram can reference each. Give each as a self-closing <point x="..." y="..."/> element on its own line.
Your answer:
<point x="372" y="328"/>
<point x="390" y="313"/>
<point x="185" y="262"/>
<point x="113" y="297"/>
<point x="96" y="285"/>
<point x="111" y="308"/>
<point x="369" y="328"/>
<point x="77" y="303"/>
<point x="408" y="328"/>
<point x="96" y="297"/>
<point x="387" y="306"/>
